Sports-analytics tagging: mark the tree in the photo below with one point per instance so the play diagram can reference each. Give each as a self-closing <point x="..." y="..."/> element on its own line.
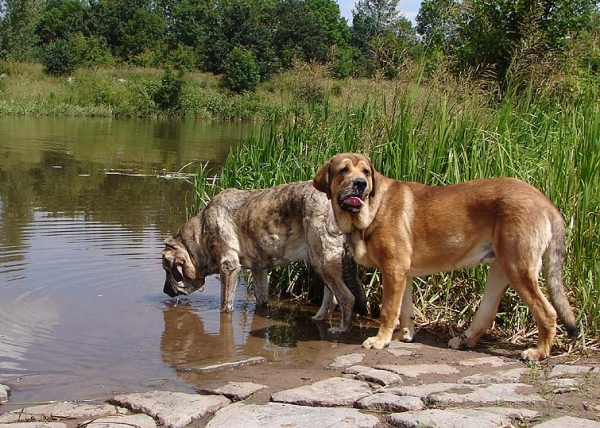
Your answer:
<point x="17" y="29"/>
<point x="241" y="71"/>
<point x="60" y="19"/>
<point x="492" y="34"/>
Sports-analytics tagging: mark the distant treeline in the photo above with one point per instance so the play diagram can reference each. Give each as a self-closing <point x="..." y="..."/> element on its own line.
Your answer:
<point x="486" y="38"/>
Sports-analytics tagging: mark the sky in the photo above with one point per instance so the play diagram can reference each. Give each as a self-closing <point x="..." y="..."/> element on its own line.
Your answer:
<point x="409" y="9"/>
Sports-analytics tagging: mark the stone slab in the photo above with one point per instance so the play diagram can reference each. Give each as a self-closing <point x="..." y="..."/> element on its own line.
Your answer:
<point x="137" y="421"/>
<point x="381" y="377"/>
<point x="274" y="415"/>
<point x="449" y="418"/>
<point x="4" y="393"/>
<point x="334" y="392"/>
<point x="235" y="391"/>
<point x="500" y="376"/>
<point x="344" y="361"/>
<point x="416" y="370"/>
<point x="455" y="393"/>
<point x="562" y="370"/>
<point x="173" y="409"/>
<point x="568" y="421"/>
<point x="225" y="366"/>
<point x="392" y="403"/>
<point x="61" y="410"/>
<point x="34" y="425"/>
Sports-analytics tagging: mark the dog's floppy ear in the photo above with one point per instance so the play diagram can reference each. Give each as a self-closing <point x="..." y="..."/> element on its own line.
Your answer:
<point x="373" y="174"/>
<point x="321" y="180"/>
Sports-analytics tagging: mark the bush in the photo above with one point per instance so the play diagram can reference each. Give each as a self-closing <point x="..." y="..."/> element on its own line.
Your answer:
<point x="167" y="95"/>
<point x="240" y="71"/>
<point x="59" y="58"/>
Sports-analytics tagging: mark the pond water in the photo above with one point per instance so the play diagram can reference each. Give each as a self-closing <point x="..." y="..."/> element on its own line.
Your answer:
<point x="84" y="207"/>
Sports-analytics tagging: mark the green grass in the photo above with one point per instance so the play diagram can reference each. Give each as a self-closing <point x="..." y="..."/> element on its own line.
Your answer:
<point x="422" y="135"/>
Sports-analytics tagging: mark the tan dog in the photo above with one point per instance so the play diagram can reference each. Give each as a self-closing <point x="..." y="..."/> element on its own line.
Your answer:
<point x="258" y="230"/>
<point x="409" y="229"/>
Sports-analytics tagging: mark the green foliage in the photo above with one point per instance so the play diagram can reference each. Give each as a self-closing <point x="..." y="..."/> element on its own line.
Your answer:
<point x="167" y="95"/>
<point x="59" y="58"/>
<point x="240" y="71"/>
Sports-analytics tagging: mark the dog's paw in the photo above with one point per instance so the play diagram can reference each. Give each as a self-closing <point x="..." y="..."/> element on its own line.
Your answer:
<point x="455" y="343"/>
<point x="533" y="354"/>
<point x="375" y="342"/>
<point x="408" y="336"/>
<point x="319" y="317"/>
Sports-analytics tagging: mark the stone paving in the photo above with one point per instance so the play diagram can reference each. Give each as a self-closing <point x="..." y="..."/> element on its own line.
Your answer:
<point x="355" y="395"/>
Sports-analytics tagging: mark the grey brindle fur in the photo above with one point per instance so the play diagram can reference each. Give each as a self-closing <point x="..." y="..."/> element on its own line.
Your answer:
<point x="258" y="230"/>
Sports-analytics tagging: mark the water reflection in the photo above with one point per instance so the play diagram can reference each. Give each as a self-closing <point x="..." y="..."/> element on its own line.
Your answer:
<point x="194" y="337"/>
<point x="80" y="274"/>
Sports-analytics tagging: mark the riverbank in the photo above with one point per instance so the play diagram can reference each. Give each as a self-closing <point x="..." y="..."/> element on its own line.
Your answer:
<point x="405" y="385"/>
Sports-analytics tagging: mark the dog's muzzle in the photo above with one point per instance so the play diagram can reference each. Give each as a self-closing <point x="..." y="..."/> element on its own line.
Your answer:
<point x="174" y="288"/>
<point x="353" y="199"/>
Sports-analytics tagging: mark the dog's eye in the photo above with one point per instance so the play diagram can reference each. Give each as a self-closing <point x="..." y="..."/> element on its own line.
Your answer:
<point x="366" y="171"/>
<point x="344" y="170"/>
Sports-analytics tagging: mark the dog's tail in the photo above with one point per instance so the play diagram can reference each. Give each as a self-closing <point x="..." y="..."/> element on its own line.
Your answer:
<point x="350" y="277"/>
<point x="555" y="256"/>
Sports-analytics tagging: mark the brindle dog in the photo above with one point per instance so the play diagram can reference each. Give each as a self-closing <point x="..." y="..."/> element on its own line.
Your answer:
<point x="409" y="229"/>
<point x="258" y="230"/>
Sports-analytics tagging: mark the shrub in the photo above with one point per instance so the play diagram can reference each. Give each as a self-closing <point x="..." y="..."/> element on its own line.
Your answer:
<point x="59" y="58"/>
<point x="167" y="95"/>
<point x="240" y="71"/>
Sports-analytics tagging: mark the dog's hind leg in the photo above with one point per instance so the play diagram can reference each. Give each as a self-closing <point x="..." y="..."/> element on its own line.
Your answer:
<point x="407" y="315"/>
<point x="327" y="305"/>
<point x="260" y="283"/>
<point x="495" y="288"/>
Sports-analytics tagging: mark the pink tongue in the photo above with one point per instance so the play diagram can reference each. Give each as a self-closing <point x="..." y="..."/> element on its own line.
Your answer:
<point x="353" y="201"/>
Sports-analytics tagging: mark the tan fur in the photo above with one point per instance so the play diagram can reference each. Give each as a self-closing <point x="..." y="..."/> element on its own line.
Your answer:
<point x="409" y="229"/>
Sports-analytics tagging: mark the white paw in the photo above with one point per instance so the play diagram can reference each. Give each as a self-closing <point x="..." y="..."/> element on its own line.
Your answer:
<point x="455" y="343"/>
<point x="375" y="342"/>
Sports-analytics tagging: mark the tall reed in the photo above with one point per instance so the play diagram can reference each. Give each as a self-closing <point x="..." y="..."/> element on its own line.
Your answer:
<point x="435" y="140"/>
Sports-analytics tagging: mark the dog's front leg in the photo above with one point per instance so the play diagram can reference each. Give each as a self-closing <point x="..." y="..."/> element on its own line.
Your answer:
<point x="230" y="270"/>
<point x="407" y="315"/>
<point x="394" y="284"/>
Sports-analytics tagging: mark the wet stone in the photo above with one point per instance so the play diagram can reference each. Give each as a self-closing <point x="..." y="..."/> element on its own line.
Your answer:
<point x="500" y="376"/>
<point x="392" y="403"/>
<point x="4" y="392"/>
<point x="334" y="392"/>
<point x="381" y="377"/>
<point x="137" y="421"/>
<point x="273" y="415"/>
<point x="569" y="421"/>
<point x="464" y="418"/>
<point x="344" y="361"/>
<point x="235" y="391"/>
<point x="61" y="410"/>
<point x="226" y="366"/>
<point x="562" y="370"/>
<point x="416" y="370"/>
<point x="173" y="409"/>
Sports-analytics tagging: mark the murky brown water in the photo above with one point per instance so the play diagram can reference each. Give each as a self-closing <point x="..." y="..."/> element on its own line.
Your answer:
<point x="84" y="207"/>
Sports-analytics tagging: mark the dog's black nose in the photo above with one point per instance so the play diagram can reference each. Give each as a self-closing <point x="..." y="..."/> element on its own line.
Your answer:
<point x="360" y="184"/>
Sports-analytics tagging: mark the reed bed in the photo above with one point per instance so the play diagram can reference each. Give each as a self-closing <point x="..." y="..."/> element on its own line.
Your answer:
<point x="428" y="137"/>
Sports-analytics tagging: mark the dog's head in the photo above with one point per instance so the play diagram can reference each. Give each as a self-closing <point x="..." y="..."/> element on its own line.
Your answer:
<point x="182" y="272"/>
<point x="348" y="179"/>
